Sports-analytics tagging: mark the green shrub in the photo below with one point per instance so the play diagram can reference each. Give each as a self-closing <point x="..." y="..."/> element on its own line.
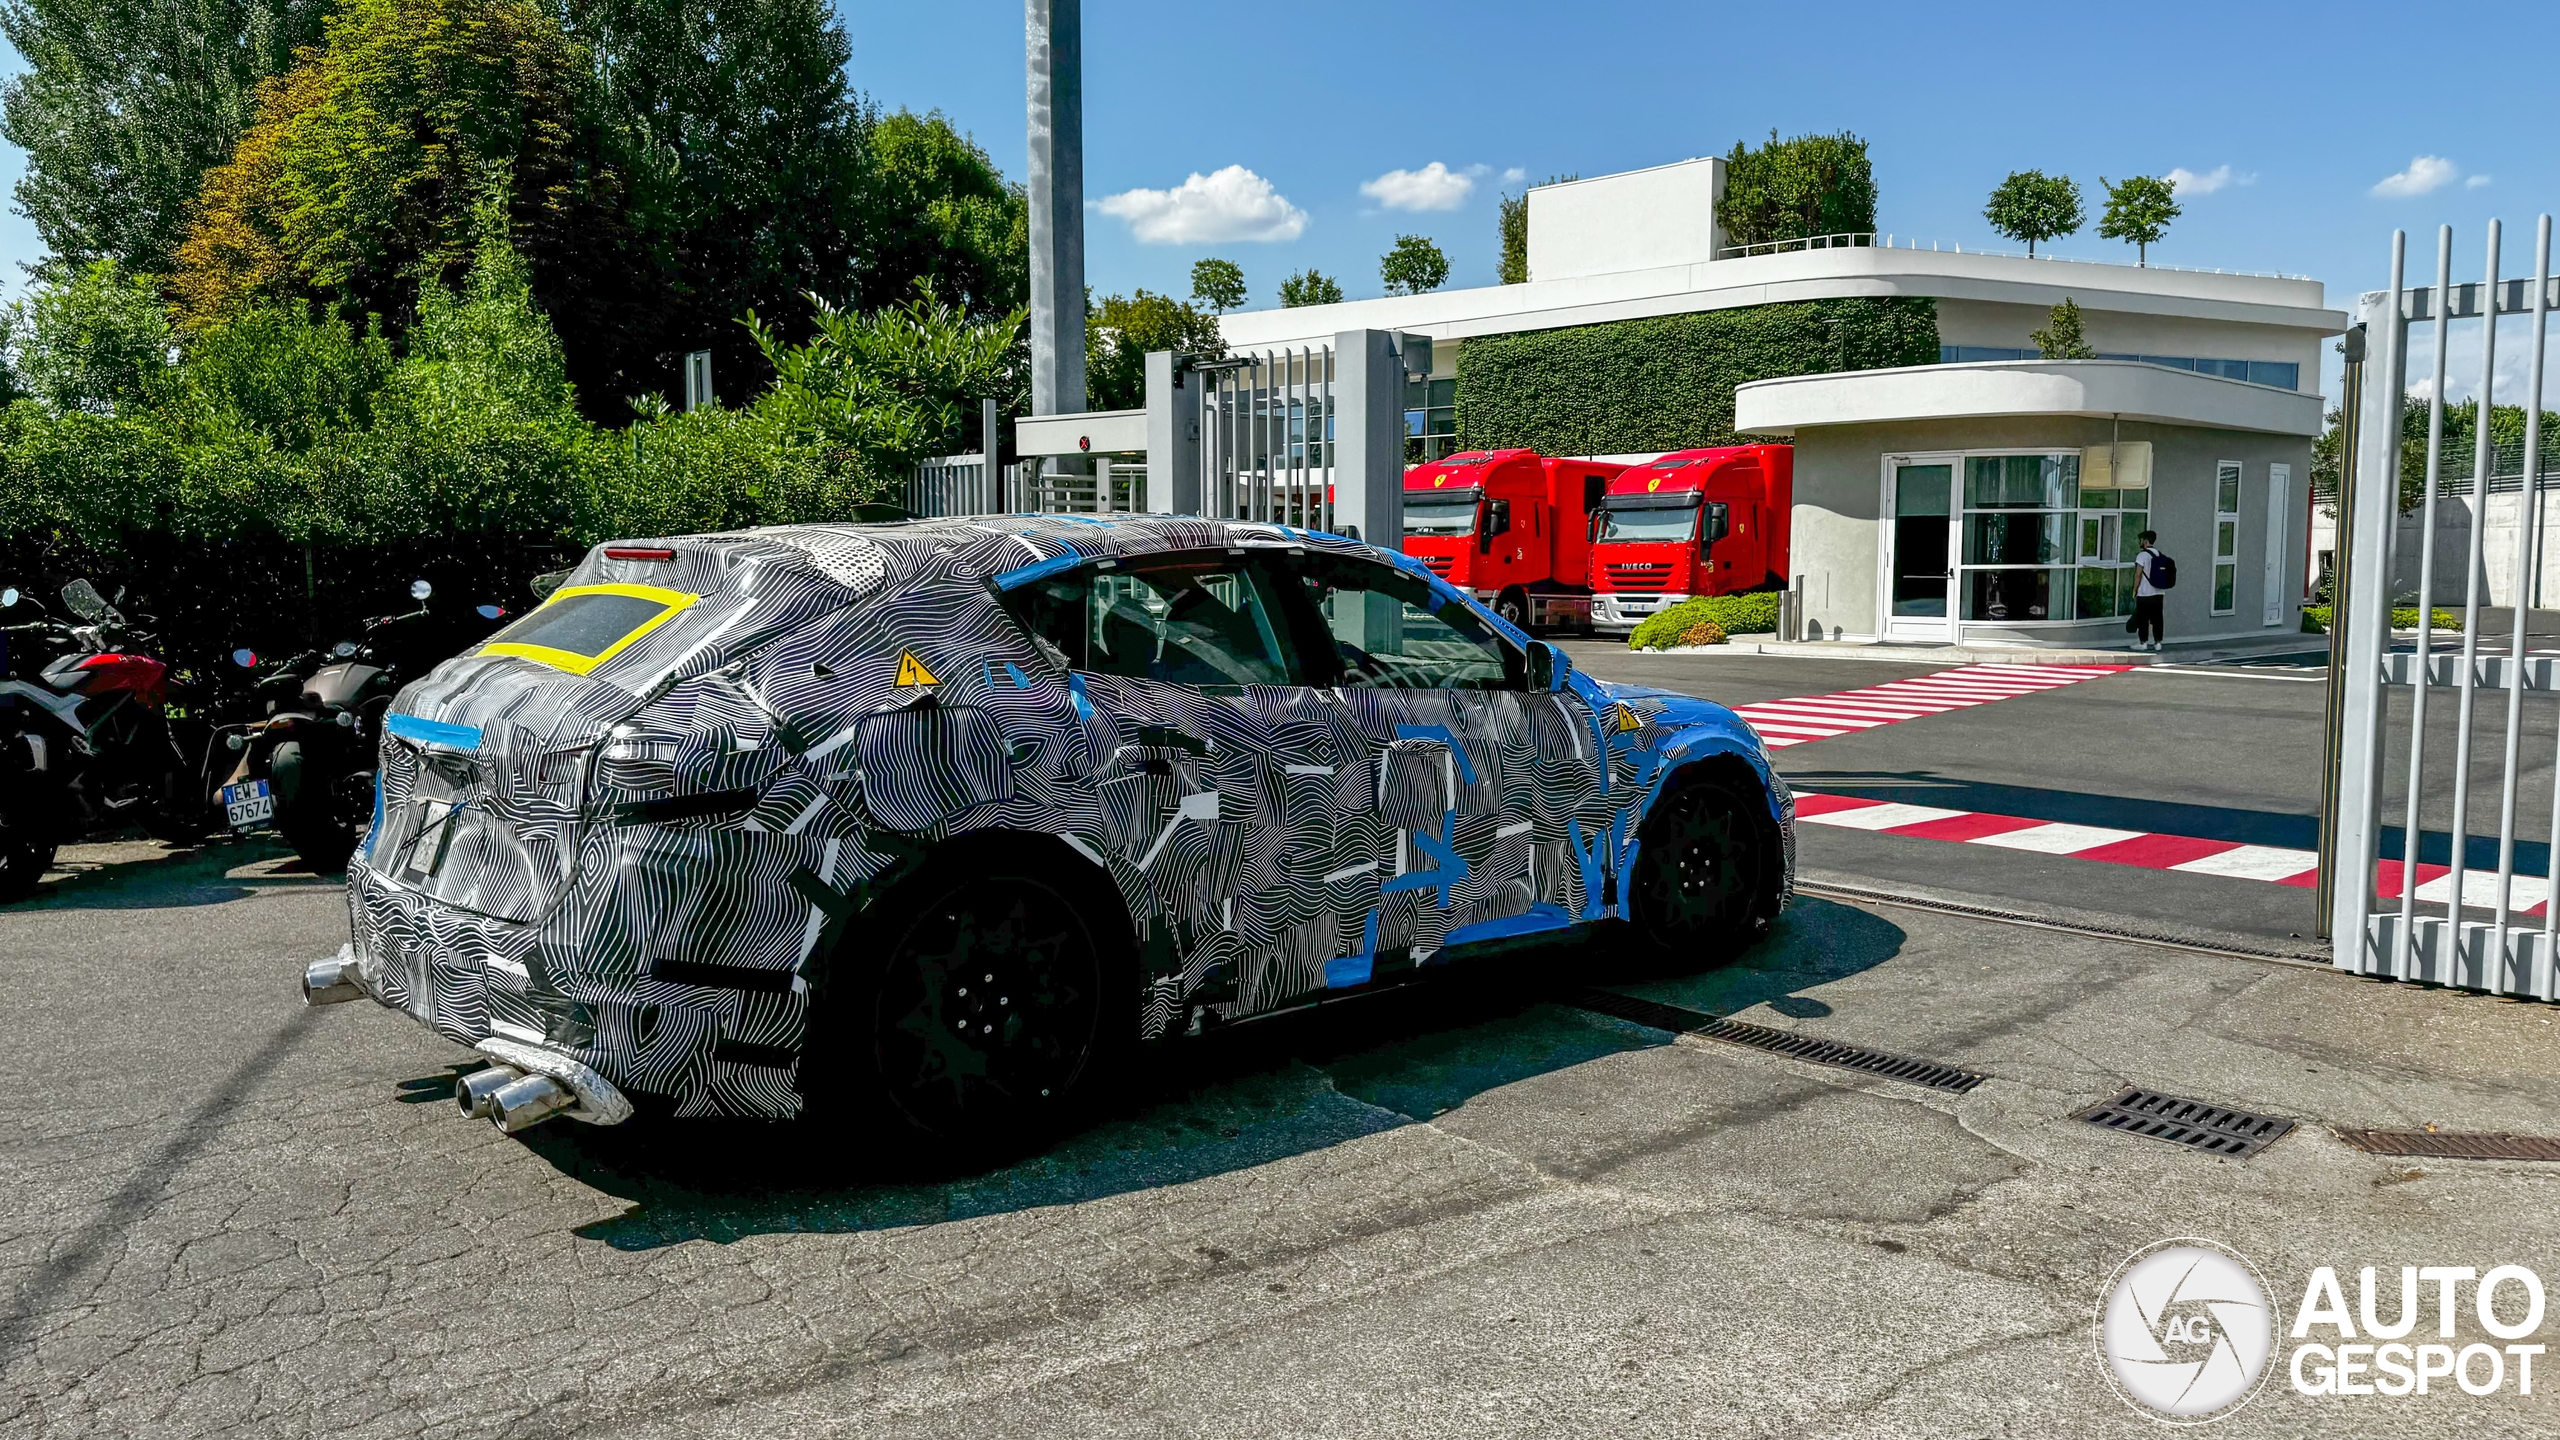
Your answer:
<point x="1754" y="614"/>
<point x="1666" y="383"/>
<point x="2315" y="619"/>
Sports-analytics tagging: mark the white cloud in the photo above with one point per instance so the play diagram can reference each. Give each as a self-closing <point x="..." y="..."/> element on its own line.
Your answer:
<point x="1433" y="187"/>
<point x="1232" y="204"/>
<point x="2425" y="173"/>
<point x="2475" y="182"/>
<point x="2189" y="182"/>
<point x="1514" y="175"/>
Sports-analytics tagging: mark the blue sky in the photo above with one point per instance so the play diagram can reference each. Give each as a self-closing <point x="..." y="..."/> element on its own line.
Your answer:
<point x="1317" y="98"/>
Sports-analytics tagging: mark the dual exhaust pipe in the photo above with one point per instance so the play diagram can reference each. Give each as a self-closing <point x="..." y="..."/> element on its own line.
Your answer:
<point x="511" y="1099"/>
<point x="512" y="1092"/>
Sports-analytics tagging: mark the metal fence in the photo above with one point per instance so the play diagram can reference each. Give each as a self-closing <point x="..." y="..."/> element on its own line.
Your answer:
<point x="1267" y="437"/>
<point x="1113" y="486"/>
<point x="955" y="485"/>
<point x="2470" y="925"/>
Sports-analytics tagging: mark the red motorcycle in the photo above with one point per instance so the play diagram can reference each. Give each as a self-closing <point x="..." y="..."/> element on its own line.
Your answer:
<point x="85" y="744"/>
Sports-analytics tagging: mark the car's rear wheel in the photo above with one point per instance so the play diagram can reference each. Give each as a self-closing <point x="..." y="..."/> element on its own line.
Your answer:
<point x="1706" y="881"/>
<point x="978" y="1012"/>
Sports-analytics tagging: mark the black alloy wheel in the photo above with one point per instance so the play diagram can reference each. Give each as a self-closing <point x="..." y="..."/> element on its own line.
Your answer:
<point x="1705" y="878"/>
<point x="983" y="1023"/>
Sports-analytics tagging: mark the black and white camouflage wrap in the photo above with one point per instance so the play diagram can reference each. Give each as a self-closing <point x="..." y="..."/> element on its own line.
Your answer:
<point x="1320" y="839"/>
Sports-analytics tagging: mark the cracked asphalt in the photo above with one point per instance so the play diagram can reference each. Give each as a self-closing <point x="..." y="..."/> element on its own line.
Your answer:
<point x="1467" y="1211"/>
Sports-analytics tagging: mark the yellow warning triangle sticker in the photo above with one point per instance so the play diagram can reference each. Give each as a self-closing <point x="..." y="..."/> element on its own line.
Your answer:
<point x="911" y="671"/>
<point x="1627" y="719"/>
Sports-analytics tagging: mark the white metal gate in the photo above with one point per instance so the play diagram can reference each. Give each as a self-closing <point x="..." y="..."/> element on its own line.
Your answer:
<point x="2477" y="924"/>
<point x="1267" y="438"/>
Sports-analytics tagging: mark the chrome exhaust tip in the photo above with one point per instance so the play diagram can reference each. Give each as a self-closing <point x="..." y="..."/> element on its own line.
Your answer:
<point x="475" y="1090"/>
<point x="332" y="981"/>
<point x="523" y="1103"/>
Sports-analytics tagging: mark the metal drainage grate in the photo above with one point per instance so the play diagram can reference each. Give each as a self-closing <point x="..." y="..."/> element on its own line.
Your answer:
<point x="1682" y="1021"/>
<point x="2443" y="1145"/>
<point x="2214" y="1129"/>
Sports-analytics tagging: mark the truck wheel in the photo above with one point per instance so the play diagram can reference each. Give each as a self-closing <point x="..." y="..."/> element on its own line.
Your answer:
<point x="1514" y="607"/>
<point x="1705" y="886"/>
<point x="982" y="1011"/>
<point x="305" y="813"/>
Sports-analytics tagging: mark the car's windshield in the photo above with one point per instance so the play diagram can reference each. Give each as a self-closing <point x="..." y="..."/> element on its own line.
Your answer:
<point x="1439" y="517"/>
<point x="1672" y="523"/>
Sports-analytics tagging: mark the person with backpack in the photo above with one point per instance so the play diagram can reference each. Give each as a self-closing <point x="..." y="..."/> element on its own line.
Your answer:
<point x="2155" y="575"/>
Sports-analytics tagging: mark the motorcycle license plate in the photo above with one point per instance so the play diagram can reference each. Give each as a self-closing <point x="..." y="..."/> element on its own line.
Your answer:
<point x="249" y="803"/>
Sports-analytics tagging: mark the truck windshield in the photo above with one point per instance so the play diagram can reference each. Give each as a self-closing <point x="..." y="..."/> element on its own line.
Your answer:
<point x="1673" y="524"/>
<point x="1439" y="518"/>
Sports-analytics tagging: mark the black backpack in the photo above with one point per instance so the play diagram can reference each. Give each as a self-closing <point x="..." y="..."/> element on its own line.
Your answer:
<point x="2164" y="571"/>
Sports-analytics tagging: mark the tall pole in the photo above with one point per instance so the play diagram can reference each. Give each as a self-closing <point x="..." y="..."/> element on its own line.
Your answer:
<point x="1053" y="36"/>
<point x="2333" y="727"/>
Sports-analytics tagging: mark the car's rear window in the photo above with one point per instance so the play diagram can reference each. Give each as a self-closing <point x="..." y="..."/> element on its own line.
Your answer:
<point x="578" y="629"/>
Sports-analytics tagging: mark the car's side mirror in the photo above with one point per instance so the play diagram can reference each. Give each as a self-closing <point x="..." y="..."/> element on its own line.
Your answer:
<point x="1549" y="667"/>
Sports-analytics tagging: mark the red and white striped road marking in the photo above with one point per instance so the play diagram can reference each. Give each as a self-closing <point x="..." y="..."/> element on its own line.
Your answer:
<point x="2187" y="853"/>
<point x="1819" y="717"/>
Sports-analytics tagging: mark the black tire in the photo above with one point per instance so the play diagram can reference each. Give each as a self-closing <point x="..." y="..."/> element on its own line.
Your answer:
<point x="306" y="808"/>
<point x="977" y="1010"/>
<point x="1708" y="869"/>
<point x="28" y="836"/>
<point x="1513" y="605"/>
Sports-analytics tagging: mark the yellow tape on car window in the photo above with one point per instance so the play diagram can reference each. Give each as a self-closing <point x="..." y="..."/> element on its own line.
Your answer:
<point x="570" y="660"/>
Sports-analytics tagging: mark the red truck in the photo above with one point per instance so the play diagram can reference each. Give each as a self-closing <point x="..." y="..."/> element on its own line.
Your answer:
<point x="1511" y="526"/>
<point x="1695" y="522"/>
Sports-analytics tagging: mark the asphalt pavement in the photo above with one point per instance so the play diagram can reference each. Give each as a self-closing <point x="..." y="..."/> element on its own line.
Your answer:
<point x="1475" y="1209"/>
<point x="2224" y="752"/>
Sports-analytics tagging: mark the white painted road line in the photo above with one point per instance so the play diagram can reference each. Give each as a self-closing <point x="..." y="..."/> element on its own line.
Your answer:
<point x="2058" y="839"/>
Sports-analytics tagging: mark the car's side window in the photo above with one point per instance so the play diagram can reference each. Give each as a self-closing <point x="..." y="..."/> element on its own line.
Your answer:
<point x="1181" y="619"/>
<point x="1391" y="631"/>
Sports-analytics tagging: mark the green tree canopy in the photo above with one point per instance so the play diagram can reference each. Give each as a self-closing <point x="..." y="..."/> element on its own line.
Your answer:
<point x="359" y="180"/>
<point x="2062" y="338"/>
<point x="1118" y="334"/>
<point x="1791" y="189"/>
<point x="2138" y="212"/>
<point x="1310" y="287"/>
<point x="1415" y="266"/>
<point x="1218" y="284"/>
<point x="2031" y="206"/>
<point x="124" y="105"/>
<point x="95" y="342"/>
<point x="1511" y="222"/>
<point x="939" y="211"/>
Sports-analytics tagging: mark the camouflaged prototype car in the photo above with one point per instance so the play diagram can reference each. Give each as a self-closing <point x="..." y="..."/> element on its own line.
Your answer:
<point x="932" y="824"/>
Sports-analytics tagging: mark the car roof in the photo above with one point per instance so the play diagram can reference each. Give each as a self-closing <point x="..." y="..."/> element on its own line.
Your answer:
<point x="873" y="557"/>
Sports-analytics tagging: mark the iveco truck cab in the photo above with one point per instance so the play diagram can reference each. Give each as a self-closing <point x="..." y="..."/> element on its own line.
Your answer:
<point x="1694" y="522"/>
<point x="1512" y="527"/>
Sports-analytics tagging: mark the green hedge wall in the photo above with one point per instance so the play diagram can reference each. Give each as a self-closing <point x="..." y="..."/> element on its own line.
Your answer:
<point x="1667" y="383"/>
<point x="1752" y="614"/>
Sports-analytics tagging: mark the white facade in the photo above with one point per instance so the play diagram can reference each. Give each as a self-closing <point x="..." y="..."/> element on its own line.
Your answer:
<point x="1640" y="219"/>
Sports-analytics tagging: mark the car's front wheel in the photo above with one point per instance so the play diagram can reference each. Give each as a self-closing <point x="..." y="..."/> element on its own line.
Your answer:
<point x="1705" y="886"/>
<point x="979" y="1011"/>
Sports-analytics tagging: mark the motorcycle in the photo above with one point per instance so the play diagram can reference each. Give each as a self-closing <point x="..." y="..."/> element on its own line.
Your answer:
<point x="85" y="745"/>
<point x="306" y="766"/>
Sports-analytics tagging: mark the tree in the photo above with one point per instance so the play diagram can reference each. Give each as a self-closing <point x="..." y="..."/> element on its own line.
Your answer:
<point x="1310" y="287"/>
<point x="94" y="342"/>
<point x="2031" y="206"/>
<point x="2139" y="210"/>
<point x="939" y="211"/>
<point x="2061" y="337"/>
<point x="1793" y="189"/>
<point x="1513" y="223"/>
<point x="1119" y="333"/>
<point x="124" y="105"/>
<point x="748" y="164"/>
<point x="1414" y="267"/>
<point x="1218" y="284"/>
<point x="892" y="386"/>
<point x="359" y="180"/>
